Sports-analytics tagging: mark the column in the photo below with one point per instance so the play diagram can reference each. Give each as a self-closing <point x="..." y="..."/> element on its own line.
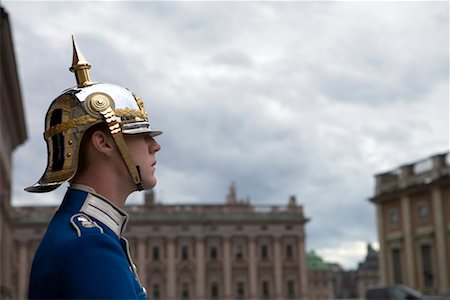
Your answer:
<point x="200" y="261"/>
<point x="277" y="260"/>
<point x="253" y="268"/>
<point x="142" y="262"/>
<point x="227" y="267"/>
<point x="408" y="240"/>
<point x="382" y="262"/>
<point x="441" y="263"/>
<point x="171" y="280"/>
<point x="303" y="272"/>
<point x="23" y="270"/>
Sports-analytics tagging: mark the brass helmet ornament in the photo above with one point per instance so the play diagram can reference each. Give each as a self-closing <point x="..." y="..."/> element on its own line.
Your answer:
<point x="79" y="108"/>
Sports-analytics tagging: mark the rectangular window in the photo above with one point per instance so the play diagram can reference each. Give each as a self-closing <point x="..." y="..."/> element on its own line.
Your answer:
<point x="265" y="289"/>
<point x="291" y="289"/>
<point x="215" y="290"/>
<point x="213" y="253"/>
<point x="156" y="253"/>
<point x="185" y="290"/>
<point x="155" y="291"/>
<point x="240" y="293"/>
<point x="264" y="252"/>
<point x="397" y="266"/>
<point x="422" y="211"/>
<point x="394" y="217"/>
<point x="289" y="252"/>
<point x="427" y="266"/>
<point x="238" y="252"/>
<point x="184" y="253"/>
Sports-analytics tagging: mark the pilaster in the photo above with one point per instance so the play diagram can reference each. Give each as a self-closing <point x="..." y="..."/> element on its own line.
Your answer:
<point x="441" y="248"/>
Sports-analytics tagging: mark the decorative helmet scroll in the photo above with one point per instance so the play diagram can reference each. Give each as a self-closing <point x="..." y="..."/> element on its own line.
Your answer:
<point x="79" y="108"/>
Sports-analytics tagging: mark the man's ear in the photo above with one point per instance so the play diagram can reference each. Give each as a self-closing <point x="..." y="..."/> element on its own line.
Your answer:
<point x="102" y="142"/>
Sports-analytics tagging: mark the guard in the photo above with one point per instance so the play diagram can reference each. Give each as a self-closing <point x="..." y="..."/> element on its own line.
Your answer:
<point x="99" y="139"/>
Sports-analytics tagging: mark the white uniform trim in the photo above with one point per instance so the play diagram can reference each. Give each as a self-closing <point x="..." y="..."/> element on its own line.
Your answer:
<point x="85" y="222"/>
<point x="104" y="211"/>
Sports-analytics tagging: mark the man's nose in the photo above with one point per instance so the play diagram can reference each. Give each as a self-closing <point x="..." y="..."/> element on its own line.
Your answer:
<point x="154" y="146"/>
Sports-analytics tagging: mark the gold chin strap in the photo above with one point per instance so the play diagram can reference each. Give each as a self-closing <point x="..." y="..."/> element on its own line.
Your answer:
<point x="102" y="104"/>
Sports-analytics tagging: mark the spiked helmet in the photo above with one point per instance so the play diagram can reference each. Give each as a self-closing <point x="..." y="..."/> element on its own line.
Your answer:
<point x="77" y="109"/>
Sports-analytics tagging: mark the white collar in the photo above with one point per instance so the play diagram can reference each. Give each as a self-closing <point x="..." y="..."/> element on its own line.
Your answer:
<point x="103" y="210"/>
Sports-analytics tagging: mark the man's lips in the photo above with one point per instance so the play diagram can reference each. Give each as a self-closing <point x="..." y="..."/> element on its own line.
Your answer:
<point x="153" y="164"/>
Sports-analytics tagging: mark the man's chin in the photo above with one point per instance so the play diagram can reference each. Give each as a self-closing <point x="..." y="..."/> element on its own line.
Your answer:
<point x="149" y="185"/>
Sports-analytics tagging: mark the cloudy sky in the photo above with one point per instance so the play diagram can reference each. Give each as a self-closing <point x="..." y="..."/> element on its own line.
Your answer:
<point x="303" y="98"/>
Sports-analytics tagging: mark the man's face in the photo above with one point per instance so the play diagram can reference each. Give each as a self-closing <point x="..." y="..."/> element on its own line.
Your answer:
<point x="142" y="149"/>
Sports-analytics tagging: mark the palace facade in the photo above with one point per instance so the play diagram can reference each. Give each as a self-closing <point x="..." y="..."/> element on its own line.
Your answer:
<point x="413" y="214"/>
<point x="218" y="251"/>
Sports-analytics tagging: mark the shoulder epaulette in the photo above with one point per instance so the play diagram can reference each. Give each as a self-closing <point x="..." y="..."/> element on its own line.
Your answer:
<point x="81" y="222"/>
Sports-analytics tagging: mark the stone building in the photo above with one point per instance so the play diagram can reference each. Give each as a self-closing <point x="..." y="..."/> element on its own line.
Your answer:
<point x="218" y="251"/>
<point x="413" y="215"/>
<point x="320" y="281"/>
<point x="367" y="274"/>
<point x="344" y="282"/>
<point x="12" y="134"/>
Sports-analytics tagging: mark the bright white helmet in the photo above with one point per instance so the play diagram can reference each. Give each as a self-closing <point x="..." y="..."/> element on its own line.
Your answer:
<point x="79" y="108"/>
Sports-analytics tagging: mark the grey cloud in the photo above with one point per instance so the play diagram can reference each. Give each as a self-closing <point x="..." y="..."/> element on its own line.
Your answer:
<point x="285" y="98"/>
<point x="233" y="58"/>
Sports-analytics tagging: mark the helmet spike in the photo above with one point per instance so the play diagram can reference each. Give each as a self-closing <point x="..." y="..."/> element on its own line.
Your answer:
<point x="80" y="66"/>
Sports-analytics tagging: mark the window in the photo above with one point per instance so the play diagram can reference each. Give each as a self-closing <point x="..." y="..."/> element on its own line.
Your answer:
<point x="184" y="253"/>
<point x="155" y="291"/>
<point x="264" y="252"/>
<point x="240" y="290"/>
<point x="397" y="266"/>
<point x="422" y="211"/>
<point x="238" y="252"/>
<point x="264" y="227"/>
<point x="213" y="253"/>
<point x="156" y="256"/>
<point x="289" y="252"/>
<point x="265" y="289"/>
<point x="291" y="289"/>
<point x="215" y="290"/>
<point x="184" y="228"/>
<point x="394" y="217"/>
<point x="427" y="267"/>
<point x="185" y="290"/>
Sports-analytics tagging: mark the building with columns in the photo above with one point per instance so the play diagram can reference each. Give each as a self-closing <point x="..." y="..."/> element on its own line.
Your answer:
<point x="413" y="215"/>
<point x="12" y="134"/>
<point x="218" y="251"/>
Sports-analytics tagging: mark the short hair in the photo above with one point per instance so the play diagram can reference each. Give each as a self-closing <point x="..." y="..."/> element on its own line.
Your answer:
<point x="83" y="158"/>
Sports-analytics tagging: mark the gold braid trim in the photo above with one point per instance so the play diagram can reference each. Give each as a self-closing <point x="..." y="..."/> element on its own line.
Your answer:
<point x="87" y="119"/>
<point x="84" y="120"/>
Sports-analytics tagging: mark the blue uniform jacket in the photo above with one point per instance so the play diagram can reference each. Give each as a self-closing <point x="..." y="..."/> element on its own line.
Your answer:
<point x="83" y="254"/>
